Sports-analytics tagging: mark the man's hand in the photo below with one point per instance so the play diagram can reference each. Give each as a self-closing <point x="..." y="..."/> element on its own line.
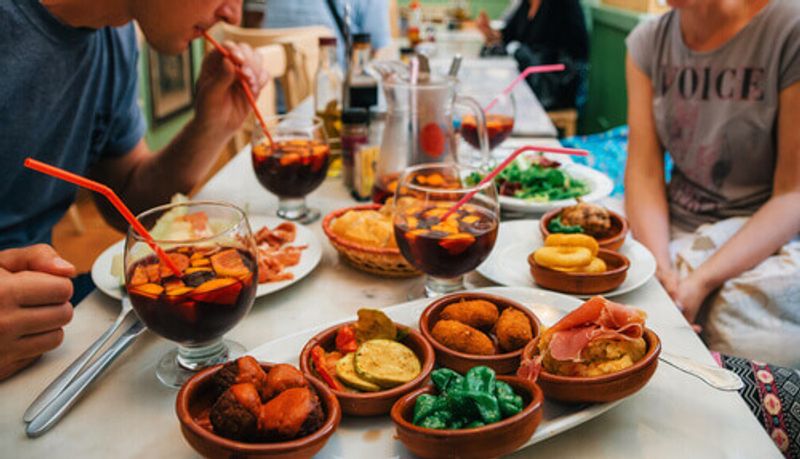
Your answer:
<point x="221" y="104"/>
<point x="34" y="304"/>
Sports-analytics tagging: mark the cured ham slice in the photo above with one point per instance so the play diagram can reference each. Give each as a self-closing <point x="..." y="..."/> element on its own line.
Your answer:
<point x="274" y="255"/>
<point x="596" y="319"/>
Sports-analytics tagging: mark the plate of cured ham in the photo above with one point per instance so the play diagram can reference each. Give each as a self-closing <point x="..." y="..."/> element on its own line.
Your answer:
<point x="287" y="252"/>
<point x="375" y="436"/>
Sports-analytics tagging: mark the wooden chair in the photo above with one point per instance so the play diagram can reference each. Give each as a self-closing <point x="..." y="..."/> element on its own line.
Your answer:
<point x="565" y="120"/>
<point x="301" y="48"/>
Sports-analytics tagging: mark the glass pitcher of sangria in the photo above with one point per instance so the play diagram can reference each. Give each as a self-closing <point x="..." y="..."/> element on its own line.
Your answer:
<point x="419" y="129"/>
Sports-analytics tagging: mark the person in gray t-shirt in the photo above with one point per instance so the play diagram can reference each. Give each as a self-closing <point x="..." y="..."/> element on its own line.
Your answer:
<point x="716" y="84"/>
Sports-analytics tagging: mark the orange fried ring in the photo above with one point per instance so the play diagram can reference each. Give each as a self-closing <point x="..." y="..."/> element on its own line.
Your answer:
<point x="572" y="240"/>
<point x="563" y="257"/>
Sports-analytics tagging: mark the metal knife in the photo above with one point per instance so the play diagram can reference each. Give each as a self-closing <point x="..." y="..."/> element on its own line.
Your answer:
<point x="72" y="371"/>
<point x="53" y="413"/>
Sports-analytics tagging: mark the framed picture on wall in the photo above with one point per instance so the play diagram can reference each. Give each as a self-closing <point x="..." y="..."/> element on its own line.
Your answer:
<point x="171" y="84"/>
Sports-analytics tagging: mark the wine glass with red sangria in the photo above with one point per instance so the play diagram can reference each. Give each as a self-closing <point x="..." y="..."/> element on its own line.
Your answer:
<point x="444" y="245"/>
<point x="499" y="120"/>
<point x="211" y="246"/>
<point x="294" y="164"/>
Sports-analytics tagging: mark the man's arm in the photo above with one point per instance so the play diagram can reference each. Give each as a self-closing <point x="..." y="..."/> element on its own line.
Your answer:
<point x="772" y="226"/>
<point x="645" y="186"/>
<point x="144" y="179"/>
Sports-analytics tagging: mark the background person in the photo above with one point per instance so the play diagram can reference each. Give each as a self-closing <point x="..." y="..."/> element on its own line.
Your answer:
<point x="716" y="83"/>
<point x="70" y="97"/>
<point x="545" y="32"/>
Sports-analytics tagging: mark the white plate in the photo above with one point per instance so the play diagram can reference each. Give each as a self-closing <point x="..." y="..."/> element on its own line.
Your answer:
<point x="109" y="284"/>
<point x="508" y="262"/>
<point x="374" y="437"/>
<point x="600" y="186"/>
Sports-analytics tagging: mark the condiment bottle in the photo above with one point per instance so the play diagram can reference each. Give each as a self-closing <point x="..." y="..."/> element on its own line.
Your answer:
<point x="366" y="157"/>
<point x="361" y="89"/>
<point x="355" y="132"/>
<point x="328" y="92"/>
<point x="414" y="23"/>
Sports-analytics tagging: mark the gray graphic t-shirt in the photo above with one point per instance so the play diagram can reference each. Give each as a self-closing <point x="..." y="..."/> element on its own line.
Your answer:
<point x="716" y="112"/>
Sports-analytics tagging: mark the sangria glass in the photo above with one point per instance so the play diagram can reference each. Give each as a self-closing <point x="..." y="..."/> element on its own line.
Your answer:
<point x="295" y="165"/>
<point x="444" y="249"/>
<point x="499" y="120"/>
<point x="212" y="246"/>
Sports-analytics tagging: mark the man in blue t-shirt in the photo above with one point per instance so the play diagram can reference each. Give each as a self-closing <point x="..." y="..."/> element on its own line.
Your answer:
<point x="69" y="98"/>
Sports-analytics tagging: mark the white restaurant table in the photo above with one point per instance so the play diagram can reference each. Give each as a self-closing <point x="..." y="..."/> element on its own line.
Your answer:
<point x="129" y="413"/>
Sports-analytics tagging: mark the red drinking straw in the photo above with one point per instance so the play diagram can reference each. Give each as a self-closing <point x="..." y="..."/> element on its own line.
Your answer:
<point x="243" y="80"/>
<point x="67" y="176"/>
<point x="506" y="162"/>
<point x="522" y="76"/>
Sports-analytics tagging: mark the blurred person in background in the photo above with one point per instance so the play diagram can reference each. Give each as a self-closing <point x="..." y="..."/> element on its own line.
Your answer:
<point x="538" y="32"/>
<point x="367" y="16"/>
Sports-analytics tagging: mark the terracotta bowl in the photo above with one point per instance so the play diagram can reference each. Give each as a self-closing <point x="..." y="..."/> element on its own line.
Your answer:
<point x="600" y="389"/>
<point x="493" y="440"/>
<point x="619" y="225"/>
<point x="583" y="283"/>
<point x="372" y="403"/>
<point x="381" y="261"/>
<point x="505" y="363"/>
<point x="195" y="400"/>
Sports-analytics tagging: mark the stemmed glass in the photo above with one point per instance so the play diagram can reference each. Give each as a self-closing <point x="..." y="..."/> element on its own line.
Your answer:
<point x="446" y="249"/>
<point x="295" y="165"/>
<point x="499" y="119"/>
<point x="212" y="246"/>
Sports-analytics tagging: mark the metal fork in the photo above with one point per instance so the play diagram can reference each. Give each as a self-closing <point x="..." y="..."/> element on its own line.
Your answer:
<point x="72" y="371"/>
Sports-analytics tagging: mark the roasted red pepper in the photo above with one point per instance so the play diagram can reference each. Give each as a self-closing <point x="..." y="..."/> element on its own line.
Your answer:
<point x="318" y="358"/>
<point x="346" y="340"/>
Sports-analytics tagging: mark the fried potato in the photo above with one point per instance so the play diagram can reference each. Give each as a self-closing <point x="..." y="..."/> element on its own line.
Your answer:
<point x="513" y="330"/>
<point x="366" y="227"/>
<point x="462" y="338"/>
<point x="475" y="313"/>
<point x="386" y="363"/>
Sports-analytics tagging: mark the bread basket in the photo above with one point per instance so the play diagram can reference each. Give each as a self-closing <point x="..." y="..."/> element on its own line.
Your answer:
<point x="385" y="262"/>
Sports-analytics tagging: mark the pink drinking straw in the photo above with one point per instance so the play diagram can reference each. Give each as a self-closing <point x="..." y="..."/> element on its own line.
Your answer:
<point x="522" y="76"/>
<point x="67" y="176"/>
<point x="505" y="163"/>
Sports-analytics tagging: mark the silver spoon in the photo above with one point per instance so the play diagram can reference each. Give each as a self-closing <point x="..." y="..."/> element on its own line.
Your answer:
<point x="716" y="377"/>
<point x="69" y="374"/>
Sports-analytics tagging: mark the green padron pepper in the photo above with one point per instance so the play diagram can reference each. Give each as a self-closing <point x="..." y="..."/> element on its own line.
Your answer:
<point x="510" y="403"/>
<point x="470" y="401"/>
<point x="480" y="379"/>
<point x="445" y="379"/>
<point x="555" y="226"/>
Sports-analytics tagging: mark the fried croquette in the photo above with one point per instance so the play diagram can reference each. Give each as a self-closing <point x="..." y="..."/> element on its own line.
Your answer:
<point x="475" y="313"/>
<point x="462" y="338"/>
<point x="513" y="330"/>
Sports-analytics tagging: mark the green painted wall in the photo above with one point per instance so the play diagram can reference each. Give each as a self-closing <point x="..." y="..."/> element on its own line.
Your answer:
<point x="607" y="103"/>
<point x="158" y="137"/>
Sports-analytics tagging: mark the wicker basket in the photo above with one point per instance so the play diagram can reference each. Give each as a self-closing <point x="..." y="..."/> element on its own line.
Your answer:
<point x="385" y="262"/>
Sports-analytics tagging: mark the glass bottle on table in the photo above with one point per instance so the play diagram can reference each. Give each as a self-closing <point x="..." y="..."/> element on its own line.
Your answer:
<point x="361" y="88"/>
<point x="414" y="23"/>
<point x="355" y="132"/>
<point x="328" y="92"/>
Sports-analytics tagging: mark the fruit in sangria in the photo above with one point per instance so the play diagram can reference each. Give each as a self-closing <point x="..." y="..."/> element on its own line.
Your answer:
<point x="291" y="168"/>
<point x="214" y="291"/>
<point x="498" y="128"/>
<point x="446" y="248"/>
<point x="386" y="186"/>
